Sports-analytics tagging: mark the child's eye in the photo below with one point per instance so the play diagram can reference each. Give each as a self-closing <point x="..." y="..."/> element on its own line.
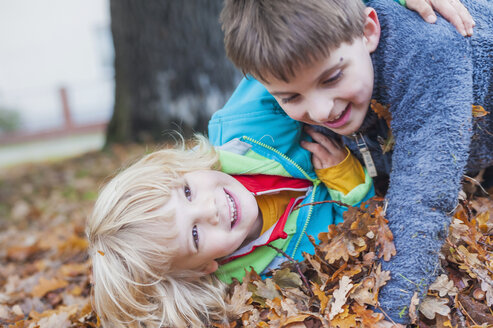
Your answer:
<point x="187" y="192"/>
<point x="289" y="99"/>
<point x="333" y="78"/>
<point x="195" y="236"/>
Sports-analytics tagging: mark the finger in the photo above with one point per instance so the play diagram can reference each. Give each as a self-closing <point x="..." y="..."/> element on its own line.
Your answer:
<point x="316" y="149"/>
<point x="323" y="140"/>
<point x="317" y="163"/>
<point x="423" y="8"/>
<point x="465" y="16"/>
<point x="450" y="13"/>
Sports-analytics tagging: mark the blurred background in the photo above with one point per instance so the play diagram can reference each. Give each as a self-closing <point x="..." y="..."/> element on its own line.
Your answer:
<point x="83" y="74"/>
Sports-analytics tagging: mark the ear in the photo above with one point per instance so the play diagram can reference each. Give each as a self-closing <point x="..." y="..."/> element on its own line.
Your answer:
<point x="210" y="267"/>
<point x="371" y="29"/>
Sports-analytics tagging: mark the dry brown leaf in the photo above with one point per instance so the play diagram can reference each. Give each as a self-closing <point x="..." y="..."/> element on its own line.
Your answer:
<point x="430" y="306"/>
<point x="368" y="318"/>
<point x="364" y="292"/>
<point x="340" y="297"/>
<point x="344" y="319"/>
<point x="385" y="238"/>
<point x="444" y="286"/>
<point x="413" y="313"/>
<point x="322" y="297"/>
<point x="47" y="285"/>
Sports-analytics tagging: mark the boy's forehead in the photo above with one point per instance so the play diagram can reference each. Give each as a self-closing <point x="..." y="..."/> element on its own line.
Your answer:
<point x="312" y="64"/>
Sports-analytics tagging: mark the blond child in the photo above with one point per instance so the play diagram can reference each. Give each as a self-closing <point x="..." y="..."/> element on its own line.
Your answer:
<point x="170" y="231"/>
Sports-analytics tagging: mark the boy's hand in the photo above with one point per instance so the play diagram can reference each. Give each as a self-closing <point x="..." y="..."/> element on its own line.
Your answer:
<point x="325" y="151"/>
<point x="452" y="10"/>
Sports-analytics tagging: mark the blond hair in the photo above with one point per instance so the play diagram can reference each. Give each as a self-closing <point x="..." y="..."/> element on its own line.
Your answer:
<point x="276" y="37"/>
<point x="132" y="250"/>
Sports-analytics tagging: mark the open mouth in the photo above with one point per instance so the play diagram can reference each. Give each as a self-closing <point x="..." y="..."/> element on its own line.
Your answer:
<point x="341" y="119"/>
<point x="233" y="210"/>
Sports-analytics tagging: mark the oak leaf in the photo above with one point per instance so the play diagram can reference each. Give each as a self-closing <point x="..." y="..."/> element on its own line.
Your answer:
<point x="344" y="319"/>
<point x="385" y="238"/>
<point x="340" y="297"/>
<point x="430" y="306"/>
<point x="367" y="317"/>
<point x="444" y="286"/>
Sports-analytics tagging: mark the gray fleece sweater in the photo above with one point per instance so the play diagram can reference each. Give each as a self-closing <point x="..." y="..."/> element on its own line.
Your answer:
<point x="430" y="76"/>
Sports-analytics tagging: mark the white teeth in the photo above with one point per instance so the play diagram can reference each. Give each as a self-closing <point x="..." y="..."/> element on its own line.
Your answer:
<point x="232" y="206"/>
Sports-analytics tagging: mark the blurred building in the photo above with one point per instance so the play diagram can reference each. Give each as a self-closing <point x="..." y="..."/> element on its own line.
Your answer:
<point x="51" y="45"/>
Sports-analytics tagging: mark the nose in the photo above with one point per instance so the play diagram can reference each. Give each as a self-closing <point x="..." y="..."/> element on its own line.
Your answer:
<point x="206" y="211"/>
<point x="321" y="108"/>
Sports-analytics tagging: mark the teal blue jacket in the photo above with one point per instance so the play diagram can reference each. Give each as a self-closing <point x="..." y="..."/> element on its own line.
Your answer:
<point x="254" y="136"/>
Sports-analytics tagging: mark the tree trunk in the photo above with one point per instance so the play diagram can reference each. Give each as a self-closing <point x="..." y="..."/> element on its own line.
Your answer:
<point x="171" y="71"/>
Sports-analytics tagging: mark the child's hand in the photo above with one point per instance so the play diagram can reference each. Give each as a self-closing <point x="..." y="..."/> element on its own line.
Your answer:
<point x="452" y="10"/>
<point x="325" y="151"/>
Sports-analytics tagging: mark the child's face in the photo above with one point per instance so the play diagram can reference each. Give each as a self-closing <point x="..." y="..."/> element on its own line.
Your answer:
<point x="215" y="214"/>
<point x="334" y="92"/>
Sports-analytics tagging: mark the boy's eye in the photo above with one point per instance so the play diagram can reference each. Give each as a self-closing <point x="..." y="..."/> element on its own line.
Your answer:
<point x="187" y="192"/>
<point x="333" y="78"/>
<point x="289" y="99"/>
<point x="195" y="236"/>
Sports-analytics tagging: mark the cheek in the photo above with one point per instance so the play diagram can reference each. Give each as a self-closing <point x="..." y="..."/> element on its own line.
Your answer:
<point x="295" y="112"/>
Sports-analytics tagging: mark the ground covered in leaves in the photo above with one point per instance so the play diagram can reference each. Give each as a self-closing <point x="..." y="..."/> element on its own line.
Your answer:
<point x="45" y="271"/>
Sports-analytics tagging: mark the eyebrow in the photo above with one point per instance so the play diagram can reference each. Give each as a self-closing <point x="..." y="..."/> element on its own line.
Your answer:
<point x="319" y="77"/>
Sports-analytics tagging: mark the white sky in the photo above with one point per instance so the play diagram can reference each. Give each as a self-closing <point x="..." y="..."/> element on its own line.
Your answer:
<point x="49" y="43"/>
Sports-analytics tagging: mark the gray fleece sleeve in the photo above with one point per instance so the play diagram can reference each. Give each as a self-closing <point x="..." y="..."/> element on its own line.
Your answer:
<point x="426" y="72"/>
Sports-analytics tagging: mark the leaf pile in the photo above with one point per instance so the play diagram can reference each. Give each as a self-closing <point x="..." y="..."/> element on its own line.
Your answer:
<point x="339" y="285"/>
<point x="44" y="266"/>
<point x="45" y="272"/>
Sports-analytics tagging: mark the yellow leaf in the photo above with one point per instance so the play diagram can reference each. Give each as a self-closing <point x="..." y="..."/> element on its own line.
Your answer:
<point x="324" y="300"/>
<point x="478" y="111"/>
<point x="294" y="319"/>
<point x="344" y="320"/>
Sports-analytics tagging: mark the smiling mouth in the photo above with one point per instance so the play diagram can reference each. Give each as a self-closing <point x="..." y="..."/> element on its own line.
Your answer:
<point x="341" y="119"/>
<point x="233" y="209"/>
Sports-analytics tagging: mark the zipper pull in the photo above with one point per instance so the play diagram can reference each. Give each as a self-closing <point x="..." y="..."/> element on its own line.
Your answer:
<point x="365" y="152"/>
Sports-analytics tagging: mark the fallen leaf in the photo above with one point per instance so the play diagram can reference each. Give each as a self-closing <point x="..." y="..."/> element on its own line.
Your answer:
<point x="478" y="111"/>
<point x="285" y="278"/>
<point x="340" y="297"/>
<point x="413" y="313"/>
<point x="444" y="286"/>
<point x="430" y="306"/>
<point x="47" y="285"/>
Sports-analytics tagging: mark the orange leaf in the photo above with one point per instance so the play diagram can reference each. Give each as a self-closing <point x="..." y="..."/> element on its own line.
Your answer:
<point x="324" y="300"/>
<point x="368" y="317"/>
<point x="478" y="111"/>
<point x="45" y="286"/>
<point x="385" y="239"/>
<point x="294" y="319"/>
<point x="344" y="320"/>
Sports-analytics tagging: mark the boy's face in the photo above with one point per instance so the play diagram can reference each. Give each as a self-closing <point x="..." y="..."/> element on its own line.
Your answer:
<point x="215" y="214"/>
<point x="333" y="92"/>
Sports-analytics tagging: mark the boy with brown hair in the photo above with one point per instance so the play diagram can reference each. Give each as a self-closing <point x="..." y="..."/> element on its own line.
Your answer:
<point x="326" y="62"/>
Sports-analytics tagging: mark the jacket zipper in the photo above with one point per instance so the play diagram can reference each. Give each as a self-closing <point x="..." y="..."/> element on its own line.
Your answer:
<point x="316" y="182"/>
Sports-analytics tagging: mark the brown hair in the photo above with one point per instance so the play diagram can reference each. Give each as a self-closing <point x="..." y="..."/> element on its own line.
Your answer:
<point x="276" y="37"/>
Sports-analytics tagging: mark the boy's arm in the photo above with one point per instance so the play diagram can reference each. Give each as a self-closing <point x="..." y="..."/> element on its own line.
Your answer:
<point x="426" y="77"/>
<point x="452" y="10"/>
